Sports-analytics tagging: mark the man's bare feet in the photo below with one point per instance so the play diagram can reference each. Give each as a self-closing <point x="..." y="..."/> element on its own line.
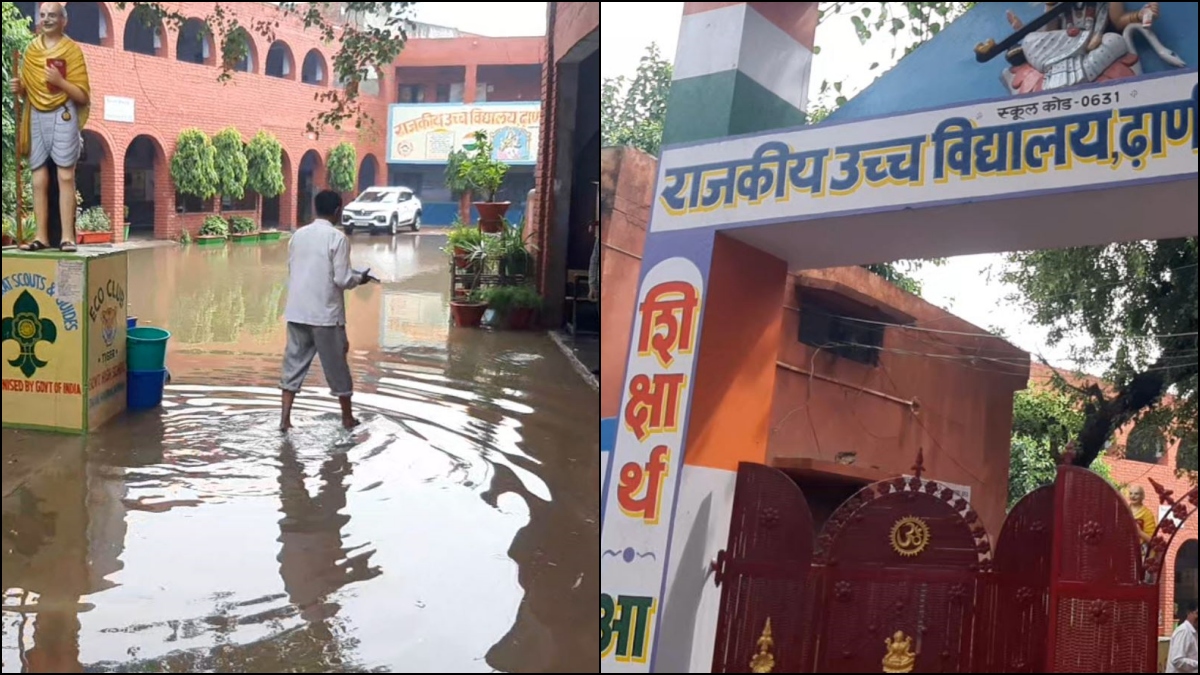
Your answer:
<point x="349" y="423"/>
<point x="285" y="425"/>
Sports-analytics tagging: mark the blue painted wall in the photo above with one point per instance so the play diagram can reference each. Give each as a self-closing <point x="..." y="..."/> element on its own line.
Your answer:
<point x="943" y="71"/>
<point x="442" y="214"/>
<point x="608" y="434"/>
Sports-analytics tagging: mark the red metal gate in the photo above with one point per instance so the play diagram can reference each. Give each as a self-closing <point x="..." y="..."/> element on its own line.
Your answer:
<point x="1102" y="615"/>
<point x="901" y="563"/>
<point x="1013" y="611"/>
<point x="763" y="575"/>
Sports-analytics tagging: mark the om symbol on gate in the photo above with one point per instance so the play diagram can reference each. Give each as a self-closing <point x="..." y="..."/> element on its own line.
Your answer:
<point x="910" y="536"/>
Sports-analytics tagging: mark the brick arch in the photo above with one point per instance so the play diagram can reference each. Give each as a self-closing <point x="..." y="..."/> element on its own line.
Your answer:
<point x="155" y="203"/>
<point x="280" y="61"/>
<point x="191" y="40"/>
<point x="250" y="63"/>
<point x="311" y="162"/>
<point x="1189" y="532"/>
<point x="82" y="14"/>
<point x="368" y="172"/>
<point x="96" y="173"/>
<point x="315" y="60"/>
<point x="140" y="38"/>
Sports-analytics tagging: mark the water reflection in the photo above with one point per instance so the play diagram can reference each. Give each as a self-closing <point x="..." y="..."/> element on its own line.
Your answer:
<point x="455" y="531"/>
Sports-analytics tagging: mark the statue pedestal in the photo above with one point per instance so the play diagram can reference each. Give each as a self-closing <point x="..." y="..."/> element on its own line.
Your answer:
<point x="64" y="339"/>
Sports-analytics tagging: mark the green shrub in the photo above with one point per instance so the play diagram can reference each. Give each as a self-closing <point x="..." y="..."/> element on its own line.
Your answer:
<point x="94" y="220"/>
<point x="242" y="225"/>
<point x="194" y="164"/>
<point x="264" y="165"/>
<point x="231" y="163"/>
<point x="343" y="167"/>
<point x="214" y="226"/>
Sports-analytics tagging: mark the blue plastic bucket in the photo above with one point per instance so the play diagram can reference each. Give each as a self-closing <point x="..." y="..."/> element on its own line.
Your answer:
<point x="147" y="349"/>
<point x="144" y="390"/>
<point x="130" y="323"/>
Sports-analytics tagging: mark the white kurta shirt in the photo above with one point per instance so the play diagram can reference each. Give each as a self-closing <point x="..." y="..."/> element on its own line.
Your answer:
<point x="319" y="274"/>
<point x="1182" y="657"/>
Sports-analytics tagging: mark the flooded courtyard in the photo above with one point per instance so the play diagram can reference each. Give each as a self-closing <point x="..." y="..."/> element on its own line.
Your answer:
<point x="455" y="530"/>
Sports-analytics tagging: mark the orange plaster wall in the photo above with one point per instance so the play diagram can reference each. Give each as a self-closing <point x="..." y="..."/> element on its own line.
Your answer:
<point x="964" y="418"/>
<point x="626" y="186"/>
<point x="735" y="371"/>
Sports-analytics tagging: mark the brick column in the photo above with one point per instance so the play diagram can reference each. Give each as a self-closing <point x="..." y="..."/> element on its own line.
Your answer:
<point x="112" y="190"/>
<point x="470" y="84"/>
<point x="287" y="198"/>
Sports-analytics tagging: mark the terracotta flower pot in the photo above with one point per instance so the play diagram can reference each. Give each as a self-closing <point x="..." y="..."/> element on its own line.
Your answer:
<point x="9" y="241"/>
<point x="95" y="237"/>
<point x="491" y="215"/>
<point x="460" y="258"/>
<point x="521" y="318"/>
<point x="467" y="314"/>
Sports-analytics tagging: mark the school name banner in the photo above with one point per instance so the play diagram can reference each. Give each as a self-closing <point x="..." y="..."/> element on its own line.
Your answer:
<point x="426" y="133"/>
<point x="1121" y="133"/>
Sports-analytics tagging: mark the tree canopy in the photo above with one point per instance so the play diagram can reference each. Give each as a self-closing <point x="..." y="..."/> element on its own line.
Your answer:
<point x="1044" y="422"/>
<point x="1136" y="305"/>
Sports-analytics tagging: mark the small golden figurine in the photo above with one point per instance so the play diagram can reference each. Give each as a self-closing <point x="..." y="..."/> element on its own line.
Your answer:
<point x="900" y="657"/>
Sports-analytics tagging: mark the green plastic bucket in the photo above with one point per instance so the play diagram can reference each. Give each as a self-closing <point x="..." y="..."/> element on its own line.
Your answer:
<point x="146" y="349"/>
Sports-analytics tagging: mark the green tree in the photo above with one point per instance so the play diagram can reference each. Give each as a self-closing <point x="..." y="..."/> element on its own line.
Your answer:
<point x="194" y="164"/>
<point x="370" y="35"/>
<point x="1137" y="304"/>
<point x="231" y="163"/>
<point x="343" y="167"/>
<point x="264" y="165"/>
<point x="1044" y="421"/>
<point x="16" y="36"/>
<point x="632" y="111"/>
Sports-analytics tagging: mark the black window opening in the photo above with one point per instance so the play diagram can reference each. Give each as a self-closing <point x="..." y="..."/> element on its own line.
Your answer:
<point x="845" y="336"/>
<point x="1145" y="443"/>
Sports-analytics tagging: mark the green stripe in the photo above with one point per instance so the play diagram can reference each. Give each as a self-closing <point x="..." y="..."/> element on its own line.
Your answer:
<point x="724" y="104"/>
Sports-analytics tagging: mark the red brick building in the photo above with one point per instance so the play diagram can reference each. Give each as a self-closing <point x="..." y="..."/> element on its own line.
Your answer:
<point x="568" y="167"/>
<point x="150" y="82"/>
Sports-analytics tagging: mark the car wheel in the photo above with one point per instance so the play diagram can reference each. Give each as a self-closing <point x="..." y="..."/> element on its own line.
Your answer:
<point x="349" y="229"/>
<point x="395" y="222"/>
<point x="416" y="226"/>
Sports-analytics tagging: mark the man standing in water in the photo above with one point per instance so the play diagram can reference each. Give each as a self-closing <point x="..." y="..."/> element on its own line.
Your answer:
<point x="54" y="80"/>
<point x="319" y="274"/>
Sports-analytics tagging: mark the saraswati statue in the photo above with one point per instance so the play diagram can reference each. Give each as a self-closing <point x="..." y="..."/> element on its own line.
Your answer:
<point x="53" y="79"/>
<point x="1075" y="43"/>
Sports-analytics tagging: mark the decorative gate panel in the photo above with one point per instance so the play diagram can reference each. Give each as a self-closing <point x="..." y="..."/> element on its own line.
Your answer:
<point x="1100" y="611"/>
<point x="1014" y="609"/>
<point x="762" y="575"/>
<point x="901" y="562"/>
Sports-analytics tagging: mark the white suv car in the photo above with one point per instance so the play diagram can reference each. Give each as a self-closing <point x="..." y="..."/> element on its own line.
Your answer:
<point x="383" y="208"/>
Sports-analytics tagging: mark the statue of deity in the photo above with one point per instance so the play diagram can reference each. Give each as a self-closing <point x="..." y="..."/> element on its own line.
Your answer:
<point x="53" y="79"/>
<point x="900" y="657"/>
<point x="1084" y="42"/>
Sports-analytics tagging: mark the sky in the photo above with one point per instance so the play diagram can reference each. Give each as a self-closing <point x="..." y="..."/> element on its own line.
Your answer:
<point x="493" y="19"/>
<point x="961" y="285"/>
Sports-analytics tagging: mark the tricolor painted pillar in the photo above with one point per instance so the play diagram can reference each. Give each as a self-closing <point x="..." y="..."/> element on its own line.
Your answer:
<point x="697" y="390"/>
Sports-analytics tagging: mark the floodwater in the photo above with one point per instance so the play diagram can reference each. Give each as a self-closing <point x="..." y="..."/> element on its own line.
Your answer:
<point x="455" y="530"/>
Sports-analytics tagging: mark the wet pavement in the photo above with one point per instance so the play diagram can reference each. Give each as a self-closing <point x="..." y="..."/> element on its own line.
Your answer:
<point x="455" y="530"/>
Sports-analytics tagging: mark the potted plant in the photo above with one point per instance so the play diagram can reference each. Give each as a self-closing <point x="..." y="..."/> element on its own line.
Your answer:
<point x="468" y="309"/>
<point x="214" y="232"/>
<point x="243" y="229"/>
<point x="516" y="255"/>
<point x="94" y="227"/>
<point x="516" y="305"/>
<point x="462" y="238"/>
<point x="126" y="223"/>
<point x="485" y="174"/>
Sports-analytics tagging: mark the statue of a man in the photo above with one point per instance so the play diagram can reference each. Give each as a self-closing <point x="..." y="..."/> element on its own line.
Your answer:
<point x="54" y="81"/>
